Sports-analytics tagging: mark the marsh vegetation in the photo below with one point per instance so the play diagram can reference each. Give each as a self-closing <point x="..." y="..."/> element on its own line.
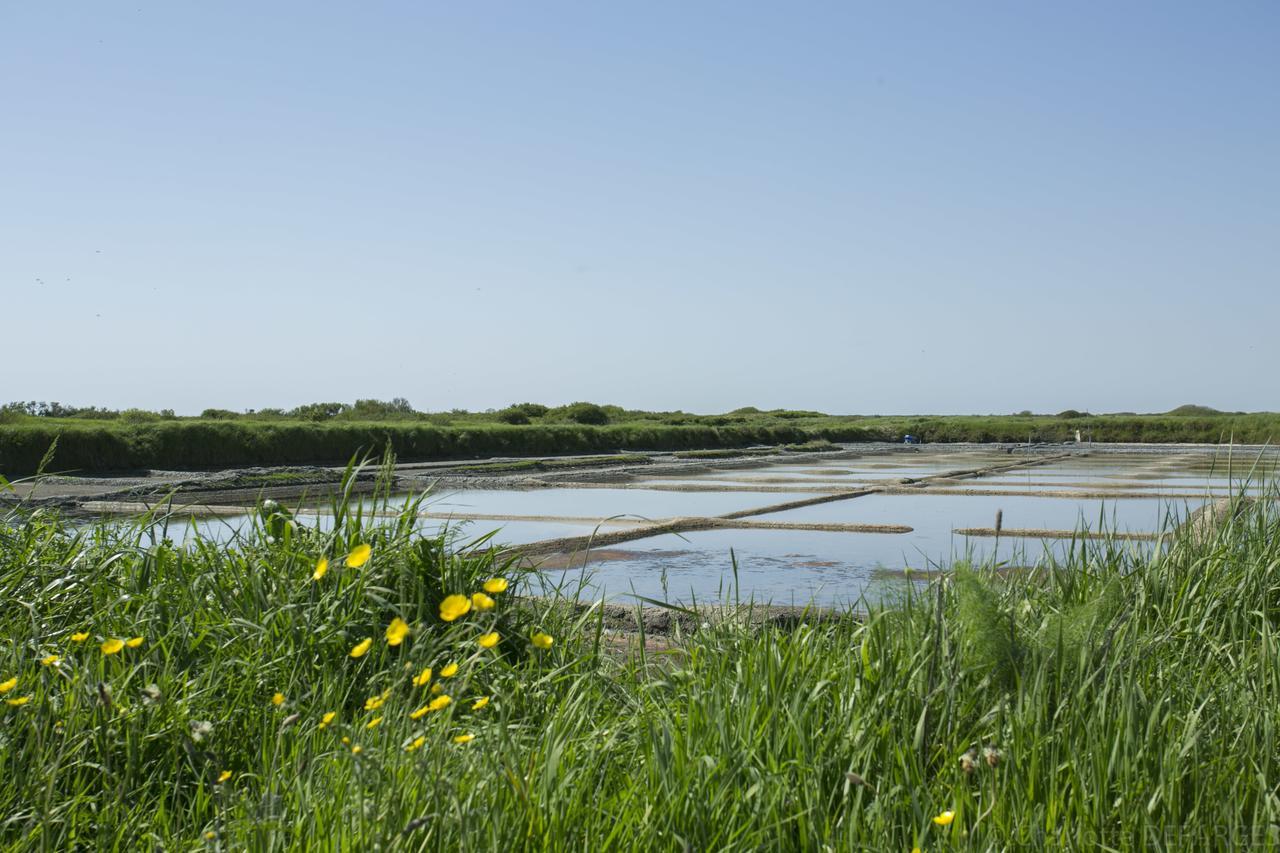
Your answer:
<point x="268" y="691"/>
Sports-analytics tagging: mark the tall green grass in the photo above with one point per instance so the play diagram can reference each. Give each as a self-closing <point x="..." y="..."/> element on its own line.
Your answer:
<point x="209" y="444"/>
<point x="1114" y="700"/>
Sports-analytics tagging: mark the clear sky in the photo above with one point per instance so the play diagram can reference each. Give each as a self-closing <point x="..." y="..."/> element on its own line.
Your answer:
<point x="854" y="207"/>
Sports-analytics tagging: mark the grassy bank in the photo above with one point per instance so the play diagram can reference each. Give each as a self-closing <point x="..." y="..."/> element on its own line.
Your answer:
<point x="1107" y="701"/>
<point x="130" y="442"/>
<point x="196" y="444"/>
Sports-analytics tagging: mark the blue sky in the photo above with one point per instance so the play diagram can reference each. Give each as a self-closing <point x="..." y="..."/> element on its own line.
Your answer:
<point x="854" y="207"/>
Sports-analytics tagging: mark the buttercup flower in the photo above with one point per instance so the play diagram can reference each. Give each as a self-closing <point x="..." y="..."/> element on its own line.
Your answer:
<point x="454" y="606"/>
<point x="79" y="636"/>
<point x="480" y="601"/>
<point x="111" y="647"/>
<point x="322" y="568"/>
<point x="414" y="715"/>
<point x="439" y="703"/>
<point x="49" y="660"/>
<point x="134" y="642"/>
<point x="224" y="776"/>
<point x="397" y="631"/>
<point x="449" y="670"/>
<point x="495" y="585"/>
<point x="422" y="677"/>
<point x="359" y="556"/>
<point x="327" y="719"/>
<point x="21" y="700"/>
<point x="372" y="723"/>
<point x="542" y="641"/>
<point x="416" y="744"/>
<point x="464" y="738"/>
<point x="359" y="649"/>
<point x="488" y="641"/>
<point x="277" y="699"/>
<point x="945" y="818"/>
<point x="480" y="703"/>
<point x="6" y="686"/>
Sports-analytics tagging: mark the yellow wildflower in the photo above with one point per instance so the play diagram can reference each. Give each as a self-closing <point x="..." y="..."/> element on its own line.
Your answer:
<point x="110" y="647"/>
<point x="422" y="677"/>
<point x="322" y="568"/>
<point x="357" y="749"/>
<point x="373" y="703"/>
<point x="495" y="585"/>
<point x="454" y="606"/>
<point x="439" y="702"/>
<point x="542" y="641"/>
<point x="134" y="642"/>
<point x="49" y="660"/>
<point x="6" y="686"/>
<point x="373" y="723"/>
<point x="464" y="738"/>
<point x="449" y="670"/>
<point x="327" y="719"/>
<point x="488" y="641"/>
<point x="420" y="712"/>
<point x="210" y="835"/>
<point x="224" y="776"/>
<point x="945" y="818"/>
<point x="437" y="688"/>
<point x="480" y="703"/>
<point x="416" y="744"/>
<point x="480" y="601"/>
<point x="359" y="556"/>
<point x="346" y="740"/>
<point x="397" y="631"/>
<point x="358" y="650"/>
<point x="79" y="636"/>
<point x="277" y="699"/>
<point x="21" y="700"/>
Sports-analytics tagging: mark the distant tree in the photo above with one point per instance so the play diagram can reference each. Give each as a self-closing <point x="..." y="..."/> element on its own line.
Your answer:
<point x="513" y="415"/>
<point x="380" y="409"/>
<point x="1072" y="413"/>
<point x="533" y="410"/>
<point x="219" y="415"/>
<point x="1192" y="410"/>
<point x="318" y="411"/>
<point x="586" y="413"/>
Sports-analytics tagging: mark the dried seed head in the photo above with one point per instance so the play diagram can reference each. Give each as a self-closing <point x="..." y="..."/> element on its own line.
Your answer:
<point x="200" y="729"/>
<point x="855" y="779"/>
<point x="151" y="695"/>
<point x="416" y="823"/>
<point x="992" y="756"/>
<point x="969" y="762"/>
<point x="289" y="721"/>
<point x="104" y="694"/>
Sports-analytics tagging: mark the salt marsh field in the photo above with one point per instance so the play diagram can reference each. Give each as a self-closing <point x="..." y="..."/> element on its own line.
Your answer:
<point x="826" y="529"/>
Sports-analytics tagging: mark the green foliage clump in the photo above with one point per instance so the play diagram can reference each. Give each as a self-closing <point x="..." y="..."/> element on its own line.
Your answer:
<point x="531" y="410"/>
<point x="318" y="411"/>
<point x="985" y="633"/>
<point x="513" y="416"/>
<point x="585" y="413"/>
